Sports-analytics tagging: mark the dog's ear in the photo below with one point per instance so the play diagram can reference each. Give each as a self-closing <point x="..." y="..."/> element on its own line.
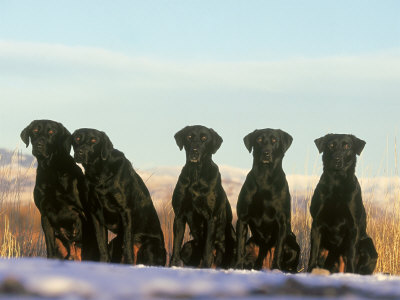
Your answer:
<point x="107" y="146"/>
<point x="65" y="138"/>
<point x="286" y="139"/>
<point x="180" y="137"/>
<point x="320" y="143"/>
<point x="25" y="134"/>
<point x="358" y="144"/>
<point x="216" y="141"/>
<point x="249" y="140"/>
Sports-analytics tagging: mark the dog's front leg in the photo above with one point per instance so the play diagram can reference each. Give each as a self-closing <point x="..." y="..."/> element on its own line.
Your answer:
<point x="277" y="259"/>
<point x="241" y="235"/>
<point x="127" y="236"/>
<point x="314" y="249"/>
<point x="49" y="237"/>
<point x="351" y="252"/>
<point x="210" y="243"/>
<point x="179" y="231"/>
<point x="101" y="237"/>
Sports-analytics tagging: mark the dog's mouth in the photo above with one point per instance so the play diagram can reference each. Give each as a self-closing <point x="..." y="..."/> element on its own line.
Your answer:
<point x="40" y="151"/>
<point x="338" y="164"/>
<point x="194" y="157"/>
<point x="80" y="158"/>
<point x="266" y="158"/>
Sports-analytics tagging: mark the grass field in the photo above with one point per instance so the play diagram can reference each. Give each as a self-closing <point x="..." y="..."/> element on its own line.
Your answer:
<point x="21" y="235"/>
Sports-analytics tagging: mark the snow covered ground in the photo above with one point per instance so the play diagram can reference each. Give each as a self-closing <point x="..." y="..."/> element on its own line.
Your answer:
<point x="38" y="278"/>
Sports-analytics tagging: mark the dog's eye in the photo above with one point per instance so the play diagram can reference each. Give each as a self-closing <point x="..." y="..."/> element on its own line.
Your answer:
<point x="35" y="130"/>
<point x="51" y="131"/>
<point x="203" y="138"/>
<point x="346" y="146"/>
<point x="93" y="141"/>
<point x="189" y="137"/>
<point x="259" y="139"/>
<point x="78" y="139"/>
<point x="273" y="140"/>
<point x="331" y="146"/>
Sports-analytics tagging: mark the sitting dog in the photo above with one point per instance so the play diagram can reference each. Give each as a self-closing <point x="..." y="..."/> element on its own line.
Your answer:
<point x="119" y="202"/>
<point x="339" y="242"/>
<point x="264" y="206"/>
<point x="200" y="201"/>
<point x="60" y="193"/>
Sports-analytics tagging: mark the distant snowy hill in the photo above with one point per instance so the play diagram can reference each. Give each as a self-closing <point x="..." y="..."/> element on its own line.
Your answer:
<point x="38" y="278"/>
<point x="18" y="171"/>
<point x="8" y="157"/>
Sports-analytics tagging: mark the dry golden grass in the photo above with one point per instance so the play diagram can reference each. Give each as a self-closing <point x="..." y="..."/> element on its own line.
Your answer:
<point x="21" y="235"/>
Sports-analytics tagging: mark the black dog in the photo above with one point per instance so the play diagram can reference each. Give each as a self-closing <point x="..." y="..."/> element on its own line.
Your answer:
<point x="60" y="193"/>
<point x="339" y="241"/>
<point x="120" y="202"/>
<point x="264" y="206"/>
<point x="200" y="201"/>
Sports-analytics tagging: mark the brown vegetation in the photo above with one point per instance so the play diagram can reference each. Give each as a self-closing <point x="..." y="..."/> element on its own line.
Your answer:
<point x="21" y="235"/>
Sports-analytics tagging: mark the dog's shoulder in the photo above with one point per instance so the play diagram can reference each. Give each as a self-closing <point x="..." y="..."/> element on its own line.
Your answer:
<point x="250" y="183"/>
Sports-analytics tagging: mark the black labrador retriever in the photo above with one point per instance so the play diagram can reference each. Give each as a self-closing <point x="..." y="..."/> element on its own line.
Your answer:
<point x="264" y="206"/>
<point x="200" y="201"/>
<point x="339" y="242"/>
<point x="60" y="193"/>
<point x="119" y="202"/>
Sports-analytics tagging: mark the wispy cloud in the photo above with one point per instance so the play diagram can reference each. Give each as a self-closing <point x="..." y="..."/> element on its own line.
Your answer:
<point x="89" y="67"/>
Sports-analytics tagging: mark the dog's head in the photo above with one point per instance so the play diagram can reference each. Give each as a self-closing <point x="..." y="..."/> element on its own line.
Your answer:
<point x="47" y="138"/>
<point x="268" y="145"/>
<point x="90" y="145"/>
<point x="199" y="142"/>
<point x="339" y="151"/>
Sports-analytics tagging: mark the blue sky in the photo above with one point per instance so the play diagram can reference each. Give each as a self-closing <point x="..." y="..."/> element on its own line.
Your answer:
<point x="142" y="70"/>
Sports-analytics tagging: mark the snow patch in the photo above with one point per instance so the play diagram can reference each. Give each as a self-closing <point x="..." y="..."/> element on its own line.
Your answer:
<point x="38" y="278"/>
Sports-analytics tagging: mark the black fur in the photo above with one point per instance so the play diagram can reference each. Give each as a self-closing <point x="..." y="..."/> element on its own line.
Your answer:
<point x="200" y="201"/>
<point x="60" y="193"/>
<point x="264" y="206"/>
<point x="339" y="241"/>
<point x="120" y="202"/>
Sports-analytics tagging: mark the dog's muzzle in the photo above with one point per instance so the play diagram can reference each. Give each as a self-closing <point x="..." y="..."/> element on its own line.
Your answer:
<point x="338" y="162"/>
<point x="266" y="158"/>
<point x="80" y="156"/>
<point x="194" y="156"/>
<point x="40" y="150"/>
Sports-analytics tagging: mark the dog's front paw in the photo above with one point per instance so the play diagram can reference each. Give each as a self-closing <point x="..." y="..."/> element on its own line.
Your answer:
<point x="104" y="258"/>
<point x="276" y="265"/>
<point x="175" y="262"/>
<point x="239" y="266"/>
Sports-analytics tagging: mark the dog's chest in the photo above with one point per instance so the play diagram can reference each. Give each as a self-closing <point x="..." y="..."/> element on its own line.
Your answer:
<point x="334" y="212"/>
<point x="201" y="198"/>
<point x="266" y="202"/>
<point x="106" y="199"/>
<point x="56" y="189"/>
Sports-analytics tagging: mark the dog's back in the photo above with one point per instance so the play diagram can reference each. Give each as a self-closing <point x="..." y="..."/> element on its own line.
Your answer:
<point x="120" y="201"/>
